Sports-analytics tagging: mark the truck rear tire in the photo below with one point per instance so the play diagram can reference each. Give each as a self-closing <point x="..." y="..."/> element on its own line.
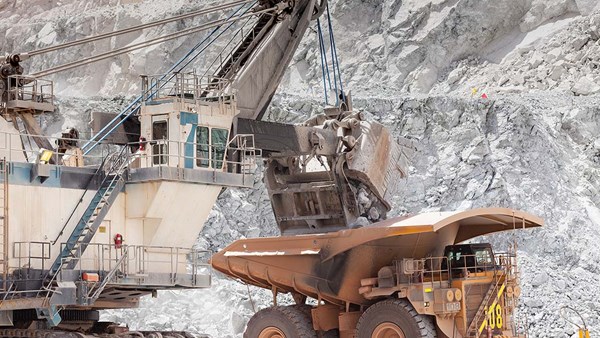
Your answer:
<point x="280" y="322"/>
<point x="305" y="308"/>
<point x="394" y="318"/>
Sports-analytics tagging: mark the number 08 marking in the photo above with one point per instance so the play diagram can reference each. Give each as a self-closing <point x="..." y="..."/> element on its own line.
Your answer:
<point x="496" y="317"/>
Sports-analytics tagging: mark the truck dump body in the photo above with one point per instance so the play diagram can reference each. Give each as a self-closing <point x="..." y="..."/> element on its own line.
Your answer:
<point x="330" y="266"/>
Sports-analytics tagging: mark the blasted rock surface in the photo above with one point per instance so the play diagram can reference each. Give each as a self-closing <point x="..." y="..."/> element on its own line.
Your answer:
<point x="420" y="67"/>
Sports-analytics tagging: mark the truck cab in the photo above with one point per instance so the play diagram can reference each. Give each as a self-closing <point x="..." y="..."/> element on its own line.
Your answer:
<point x="468" y="258"/>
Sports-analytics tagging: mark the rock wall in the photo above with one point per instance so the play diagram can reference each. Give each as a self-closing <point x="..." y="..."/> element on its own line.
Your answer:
<point x="420" y="67"/>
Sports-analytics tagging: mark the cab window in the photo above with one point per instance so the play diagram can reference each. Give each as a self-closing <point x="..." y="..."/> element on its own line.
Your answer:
<point x="202" y="147"/>
<point x="160" y="133"/>
<point x="484" y="257"/>
<point x="218" y="139"/>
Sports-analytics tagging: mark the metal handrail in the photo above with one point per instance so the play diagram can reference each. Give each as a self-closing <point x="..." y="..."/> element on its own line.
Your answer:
<point x="87" y="188"/>
<point x="247" y="161"/>
<point x="98" y="291"/>
<point x="430" y="263"/>
<point x="45" y="255"/>
<point x="140" y="257"/>
<point x="6" y="143"/>
<point x="182" y="84"/>
<point x="28" y="88"/>
<point x="45" y="249"/>
<point x="482" y="310"/>
<point x="54" y="274"/>
<point x="131" y="265"/>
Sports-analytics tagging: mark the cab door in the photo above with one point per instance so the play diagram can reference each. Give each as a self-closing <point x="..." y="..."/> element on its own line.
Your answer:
<point x="160" y="140"/>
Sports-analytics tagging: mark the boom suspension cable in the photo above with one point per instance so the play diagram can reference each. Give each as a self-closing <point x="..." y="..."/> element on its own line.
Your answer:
<point x="336" y="62"/>
<point x="147" y="43"/>
<point x="138" y="27"/>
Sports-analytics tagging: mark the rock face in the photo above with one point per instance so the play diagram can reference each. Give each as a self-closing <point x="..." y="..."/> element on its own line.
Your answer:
<point x="419" y="67"/>
<point x="531" y="152"/>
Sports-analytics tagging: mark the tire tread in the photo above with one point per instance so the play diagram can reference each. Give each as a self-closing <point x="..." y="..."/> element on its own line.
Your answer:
<point x="296" y="315"/>
<point x="425" y="323"/>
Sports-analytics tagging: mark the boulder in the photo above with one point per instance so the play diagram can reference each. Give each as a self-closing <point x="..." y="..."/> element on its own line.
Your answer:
<point x="585" y="86"/>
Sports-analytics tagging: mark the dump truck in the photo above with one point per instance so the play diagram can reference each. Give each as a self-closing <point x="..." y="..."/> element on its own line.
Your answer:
<point x="402" y="277"/>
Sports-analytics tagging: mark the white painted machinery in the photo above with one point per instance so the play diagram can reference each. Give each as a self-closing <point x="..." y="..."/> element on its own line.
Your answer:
<point x="90" y="224"/>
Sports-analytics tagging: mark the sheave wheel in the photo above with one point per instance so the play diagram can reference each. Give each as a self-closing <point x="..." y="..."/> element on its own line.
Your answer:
<point x="280" y="322"/>
<point x="394" y="318"/>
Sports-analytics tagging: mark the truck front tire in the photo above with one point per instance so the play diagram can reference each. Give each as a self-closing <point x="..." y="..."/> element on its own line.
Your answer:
<point x="394" y="318"/>
<point x="280" y="322"/>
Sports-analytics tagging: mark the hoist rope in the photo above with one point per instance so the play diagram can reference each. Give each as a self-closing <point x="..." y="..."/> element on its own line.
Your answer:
<point x="324" y="65"/>
<point x="337" y="86"/>
<point x="336" y="64"/>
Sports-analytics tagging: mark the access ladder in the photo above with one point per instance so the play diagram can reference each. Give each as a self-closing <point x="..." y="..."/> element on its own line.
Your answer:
<point x="4" y="225"/>
<point x="480" y="319"/>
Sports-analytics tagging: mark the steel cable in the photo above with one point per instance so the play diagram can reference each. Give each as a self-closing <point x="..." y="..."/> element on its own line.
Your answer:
<point x="145" y="44"/>
<point x="138" y="27"/>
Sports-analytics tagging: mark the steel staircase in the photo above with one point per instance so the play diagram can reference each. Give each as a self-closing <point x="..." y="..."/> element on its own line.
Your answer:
<point x="94" y="214"/>
<point x="112" y="172"/>
<point x="95" y="292"/>
<point x="481" y="314"/>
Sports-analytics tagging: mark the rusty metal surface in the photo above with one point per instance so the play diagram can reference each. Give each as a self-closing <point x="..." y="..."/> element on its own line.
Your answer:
<point x="330" y="266"/>
<point x="333" y="172"/>
<point x="377" y="158"/>
<point x="286" y="139"/>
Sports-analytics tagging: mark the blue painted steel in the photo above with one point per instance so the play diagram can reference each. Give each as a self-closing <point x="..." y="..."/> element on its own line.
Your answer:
<point x="60" y="177"/>
<point x="189" y="147"/>
<point x="76" y="235"/>
<point x="51" y="315"/>
<point x="79" y="238"/>
<point x="187" y="118"/>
